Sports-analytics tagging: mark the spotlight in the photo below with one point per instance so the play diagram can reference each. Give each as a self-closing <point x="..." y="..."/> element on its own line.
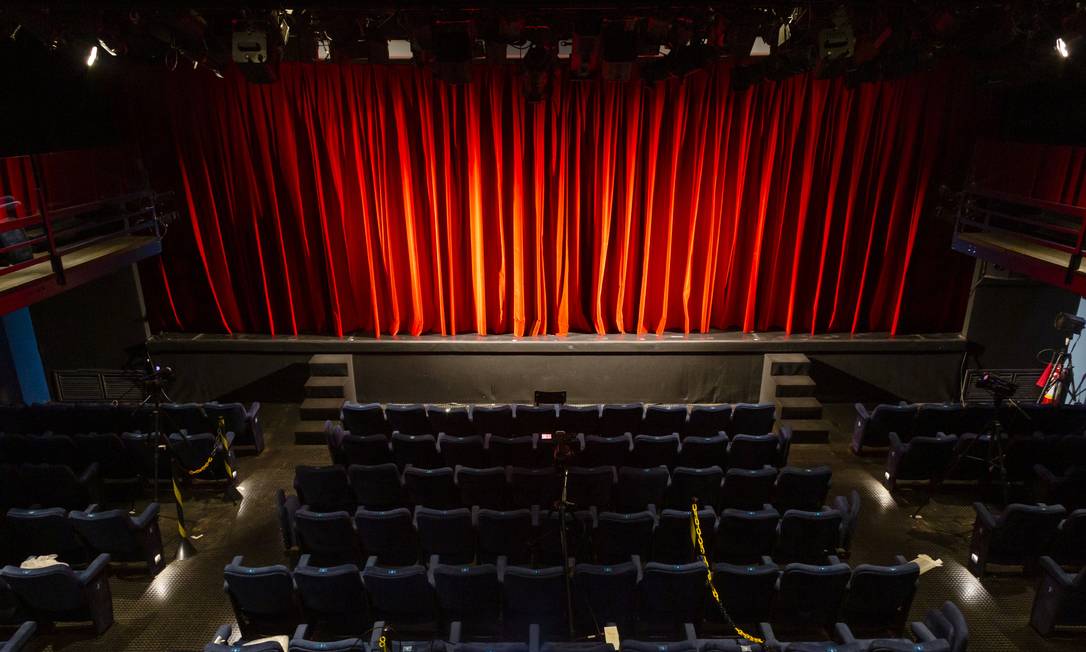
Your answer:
<point x="110" y="51"/>
<point x="1062" y="48"/>
<point x="92" y="56"/>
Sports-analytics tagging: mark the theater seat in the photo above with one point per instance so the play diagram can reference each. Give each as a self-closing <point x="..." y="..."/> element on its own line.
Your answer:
<point x="945" y="622"/>
<point x="327" y="538"/>
<point x="808" y="536"/>
<point x="618" y="536"/>
<point x="811" y="594"/>
<point x="638" y="488"/>
<point x="323" y="488"/>
<point x="747" y="590"/>
<point x="360" y="449"/>
<point x="400" y="595"/>
<point x="53" y="485"/>
<point x="407" y="418"/>
<point x="124" y="538"/>
<point x="470" y="595"/>
<point x="44" y="532"/>
<point x="300" y="643"/>
<point x="364" y="419"/>
<point x="419" y="451"/>
<point x="467" y="450"/>
<point x="332" y="596"/>
<point x="434" y="488"/>
<point x="494" y="420"/>
<point x="1069" y="546"/>
<point x="453" y="420"/>
<point x="748" y="488"/>
<point x="446" y="535"/>
<point x="245" y="424"/>
<point x="606" y="593"/>
<point x="709" y="420"/>
<point x="506" y="534"/>
<point x="688" y="484"/>
<point x="745" y="536"/>
<point x="1017" y="536"/>
<point x="801" y="488"/>
<point x="533" y="596"/>
<point x="377" y="487"/>
<point x="387" y="536"/>
<point x="671" y="594"/>
<point x="753" y="419"/>
<point x="671" y="541"/>
<point x="483" y="487"/>
<point x="664" y="420"/>
<point x="879" y="597"/>
<point x="221" y="643"/>
<point x="873" y="428"/>
<point x="579" y="419"/>
<point x="262" y="598"/>
<point x="921" y="458"/>
<point x="59" y="594"/>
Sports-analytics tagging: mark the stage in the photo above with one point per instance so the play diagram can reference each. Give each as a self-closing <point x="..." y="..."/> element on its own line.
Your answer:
<point x="713" y="367"/>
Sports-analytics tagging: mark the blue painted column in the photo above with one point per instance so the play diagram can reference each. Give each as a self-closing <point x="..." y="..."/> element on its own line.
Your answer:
<point x="23" y="344"/>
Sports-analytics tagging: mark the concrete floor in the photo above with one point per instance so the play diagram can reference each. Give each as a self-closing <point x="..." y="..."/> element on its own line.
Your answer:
<point x="182" y="607"/>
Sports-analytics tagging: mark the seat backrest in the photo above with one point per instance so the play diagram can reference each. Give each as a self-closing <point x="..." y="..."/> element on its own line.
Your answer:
<point x="933" y="418"/>
<point x="188" y="417"/>
<point x="887" y="418"/>
<point x="534" y="419"/>
<point x="43" y="532"/>
<point x="812" y="592"/>
<point x="746" y="535"/>
<point x="376" y="486"/>
<point x="1070" y="544"/>
<point x="416" y="450"/>
<point x="493" y="419"/>
<point x="328" y="590"/>
<point x="450" y="419"/>
<point x="108" y="531"/>
<point x="591" y="486"/>
<point x="323" y="488"/>
<point x="466" y="592"/>
<point x="638" y="488"/>
<point x="702" y="484"/>
<point x="364" y="449"/>
<point x="407" y="418"/>
<point x="802" y="488"/>
<point x="620" y="535"/>
<point x="388" y="534"/>
<point x="654" y="450"/>
<point x="880" y="594"/>
<point x="671" y="540"/>
<point x="808" y="536"/>
<point x="482" y="487"/>
<point x="400" y="594"/>
<point x="530" y="487"/>
<point x="1027" y="529"/>
<point x="579" y="419"/>
<point x="58" y="449"/>
<point x="607" y="592"/>
<point x="462" y="451"/>
<point x="52" y="589"/>
<point x="511" y="451"/>
<point x="753" y="419"/>
<point x="708" y="420"/>
<point x="505" y="533"/>
<point x="619" y="418"/>
<point x="753" y="451"/>
<point x="664" y="420"/>
<point x="431" y="487"/>
<point x="747" y="590"/>
<point x="947" y="622"/>
<point x="446" y="533"/>
<point x="56" y="485"/>
<point x="260" y="590"/>
<point x="673" y="593"/>
<point x="107" y="449"/>
<point x="234" y="417"/>
<point x="327" y="535"/>
<point x="364" y="419"/>
<point x="534" y="595"/>
<point x="748" y="488"/>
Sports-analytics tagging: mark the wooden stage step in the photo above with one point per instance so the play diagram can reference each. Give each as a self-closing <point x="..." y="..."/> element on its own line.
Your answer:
<point x="320" y="409"/>
<point x="326" y="387"/>
<point x="808" y="431"/>
<point x="799" y="407"/>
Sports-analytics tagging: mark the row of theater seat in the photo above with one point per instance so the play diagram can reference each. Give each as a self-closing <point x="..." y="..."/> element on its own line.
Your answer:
<point x="1021" y="533"/>
<point x="73" y="418"/>
<point x="77" y="537"/>
<point x="59" y="593"/>
<point x="492" y="598"/>
<point x="872" y="428"/>
<point x="510" y="420"/>
<point x="400" y="537"/>
<point x="329" y="488"/>
<point x="428" y="451"/>
<point x="1060" y="599"/>
<point x="48" y="485"/>
<point x="952" y="457"/>
<point x="943" y="630"/>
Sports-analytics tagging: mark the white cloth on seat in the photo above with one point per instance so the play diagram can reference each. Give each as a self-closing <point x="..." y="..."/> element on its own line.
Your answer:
<point x="40" y="561"/>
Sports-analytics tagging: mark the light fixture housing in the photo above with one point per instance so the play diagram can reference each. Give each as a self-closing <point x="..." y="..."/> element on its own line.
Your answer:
<point x="92" y="56"/>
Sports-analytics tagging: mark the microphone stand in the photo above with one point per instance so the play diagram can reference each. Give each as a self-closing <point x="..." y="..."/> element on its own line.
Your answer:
<point x="562" y="454"/>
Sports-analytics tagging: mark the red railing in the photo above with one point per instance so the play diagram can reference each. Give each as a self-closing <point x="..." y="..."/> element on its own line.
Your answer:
<point x="65" y="201"/>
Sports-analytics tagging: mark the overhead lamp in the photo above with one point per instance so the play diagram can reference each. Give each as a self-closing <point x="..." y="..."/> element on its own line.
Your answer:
<point x="108" y="50"/>
<point x="92" y="55"/>
<point x="1062" y="48"/>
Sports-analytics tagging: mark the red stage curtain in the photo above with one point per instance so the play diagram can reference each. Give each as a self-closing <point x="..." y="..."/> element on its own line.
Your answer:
<point x="1055" y="173"/>
<point x="379" y="200"/>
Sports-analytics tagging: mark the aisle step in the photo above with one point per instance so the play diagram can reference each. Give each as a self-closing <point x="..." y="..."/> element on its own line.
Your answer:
<point x="788" y="364"/>
<point x="808" y="431"/>
<point x="329" y="364"/>
<point x="326" y="387"/>
<point x="794" y="386"/>
<point x="799" y="407"/>
<point x="310" y="432"/>
<point x="320" y="409"/>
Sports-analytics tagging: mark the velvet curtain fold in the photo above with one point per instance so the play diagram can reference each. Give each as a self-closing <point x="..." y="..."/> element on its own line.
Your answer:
<point x="379" y="200"/>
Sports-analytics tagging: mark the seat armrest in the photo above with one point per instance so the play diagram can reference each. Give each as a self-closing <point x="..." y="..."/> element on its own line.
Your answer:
<point x="1044" y="474"/>
<point x="533" y="637"/>
<point x="150" y="514"/>
<point x="921" y="632"/>
<point x="689" y="632"/>
<point x="862" y="412"/>
<point x="97" y="567"/>
<point x="843" y="633"/>
<point x="895" y="442"/>
<point x="900" y="560"/>
<point x="93" y="507"/>
<point x="303" y="561"/>
<point x="376" y="634"/>
<point x="253" y="411"/>
<point x="455" y="628"/>
<point x="984" y="516"/>
<point x="768" y="635"/>
<point x="1050" y="568"/>
<point x="222" y="635"/>
<point x="89" y="474"/>
<point x="371" y="561"/>
<point x="300" y="632"/>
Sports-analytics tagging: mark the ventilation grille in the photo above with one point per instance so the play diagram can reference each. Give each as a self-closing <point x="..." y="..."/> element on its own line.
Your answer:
<point x="1025" y="379"/>
<point x="97" y="385"/>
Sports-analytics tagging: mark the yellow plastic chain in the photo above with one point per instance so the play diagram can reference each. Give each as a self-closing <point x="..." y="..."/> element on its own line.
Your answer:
<point x="382" y="643"/>
<point x="695" y="537"/>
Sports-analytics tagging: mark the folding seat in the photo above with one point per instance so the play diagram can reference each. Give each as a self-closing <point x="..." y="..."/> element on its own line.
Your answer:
<point x="387" y="535"/>
<point x="810" y="594"/>
<point x="400" y="595"/>
<point x="407" y="419"/>
<point x="363" y="449"/>
<point x="124" y="538"/>
<point x="446" y="534"/>
<point x="483" y="487"/>
<point x="510" y="451"/>
<point x="1060" y="600"/>
<point x="945" y="622"/>
<point x="115" y="464"/>
<point x="879" y="597"/>
<point x="44" y="532"/>
<point x="619" y="418"/>
<point x="262" y="597"/>
<point x="655" y="450"/>
<point x="639" y="488"/>
<point x="874" y="428"/>
<point x="194" y="450"/>
<point x="1069" y="547"/>
<point x="323" y="488"/>
<point x="1017" y="536"/>
<point x="1068" y="489"/>
<point x="19" y="638"/>
<point x="509" y="534"/>
<point x="688" y="484"/>
<point x="378" y="486"/>
<point x="808" y="537"/>
<point x="748" y="488"/>
<point x="801" y="488"/>
<point x="332" y="596"/>
<point x="54" y="485"/>
<point x="671" y="594"/>
<point x="664" y="420"/>
<point x="56" y="449"/>
<point x="590" y="486"/>
<point x="598" y="450"/>
<point x="461" y="451"/>
<point x="745" y="536"/>
<point x="493" y="420"/>
<point x="700" y="452"/>
<point x="534" y="419"/>
<point x="434" y="488"/>
<point x="708" y="420"/>
<point x="419" y="451"/>
<point x="245" y="424"/>
<point x="747" y="590"/>
<point x="470" y="595"/>
<point x="922" y="458"/>
<point x="59" y="594"/>
<point x="579" y="419"/>
<point x="754" y="451"/>
<point x="620" y="536"/>
<point x="528" y="487"/>
<point x="185" y="417"/>
<point x="364" y="419"/>
<point x="533" y="596"/>
<point x="454" y="420"/>
<point x="934" y="418"/>
<point x="605" y="594"/>
<point x="671" y="541"/>
<point x="753" y="419"/>
<point x="328" y="538"/>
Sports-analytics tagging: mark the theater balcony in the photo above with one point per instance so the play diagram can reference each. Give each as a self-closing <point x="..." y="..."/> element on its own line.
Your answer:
<point x="69" y="217"/>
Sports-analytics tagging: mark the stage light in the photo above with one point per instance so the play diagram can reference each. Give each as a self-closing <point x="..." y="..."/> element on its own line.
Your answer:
<point x="92" y="56"/>
<point x="1062" y="48"/>
<point x="974" y="557"/>
<point x="110" y="51"/>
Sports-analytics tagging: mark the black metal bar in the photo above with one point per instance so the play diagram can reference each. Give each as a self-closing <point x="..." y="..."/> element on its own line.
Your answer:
<point x="54" y="259"/>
